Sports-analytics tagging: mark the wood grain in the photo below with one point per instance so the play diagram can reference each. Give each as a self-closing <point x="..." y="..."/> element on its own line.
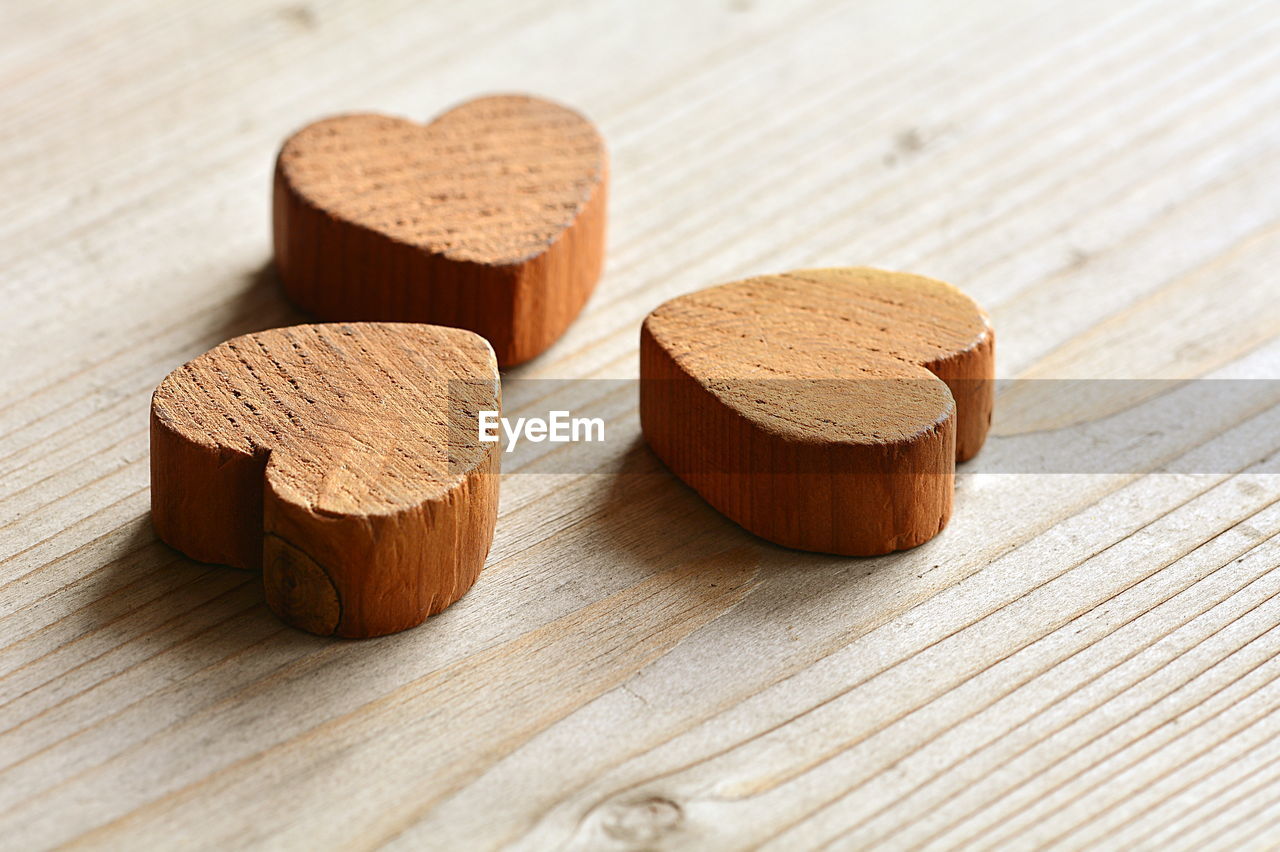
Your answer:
<point x="823" y="409"/>
<point x="489" y="218"/>
<point x="1079" y="661"/>
<point x="342" y="461"/>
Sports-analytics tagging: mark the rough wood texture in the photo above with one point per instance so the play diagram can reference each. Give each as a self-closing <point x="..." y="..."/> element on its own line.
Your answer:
<point x="1083" y="660"/>
<point x="340" y="460"/>
<point x="489" y="218"/>
<point x="821" y="409"/>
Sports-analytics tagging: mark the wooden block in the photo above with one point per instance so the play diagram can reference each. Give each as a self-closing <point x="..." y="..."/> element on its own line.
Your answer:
<point x="342" y="460"/>
<point x="823" y="409"/>
<point x="490" y="218"/>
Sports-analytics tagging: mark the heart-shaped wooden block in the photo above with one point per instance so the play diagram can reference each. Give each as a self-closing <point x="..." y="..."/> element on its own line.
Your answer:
<point x="823" y="409"/>
<point x="343" y="460"/>
<point x="489" y="218"/>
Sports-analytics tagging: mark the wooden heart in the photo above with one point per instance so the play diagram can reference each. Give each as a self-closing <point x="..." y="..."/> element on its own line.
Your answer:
<point x="489" y="218"/>
<point x="341" y="460"/>
<point x="823" y="409"/>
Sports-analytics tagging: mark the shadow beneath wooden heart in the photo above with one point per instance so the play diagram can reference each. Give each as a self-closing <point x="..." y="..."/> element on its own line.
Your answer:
<point x="148" y="594"/>
<point x="261" y="304"/>
<point x="149" y="644"/>
<point x="256" y="302"/>
<point x="660" y="521"/>
<point x="657" y="523"/>
<point x="654" y="519"/>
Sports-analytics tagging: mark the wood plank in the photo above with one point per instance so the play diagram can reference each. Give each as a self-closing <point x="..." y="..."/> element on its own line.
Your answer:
<point x="1078" y="661"/>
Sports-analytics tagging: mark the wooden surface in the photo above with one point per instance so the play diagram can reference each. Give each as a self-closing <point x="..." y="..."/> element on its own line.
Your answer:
<point x="1078" y="660"/>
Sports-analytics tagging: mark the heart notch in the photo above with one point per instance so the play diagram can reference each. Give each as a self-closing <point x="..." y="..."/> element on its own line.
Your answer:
<point x="821" y="409"/>
<point x="489" y="218"/>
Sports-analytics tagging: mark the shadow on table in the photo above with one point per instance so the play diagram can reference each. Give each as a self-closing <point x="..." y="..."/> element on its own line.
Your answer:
<point x="654" y="516"/>
<point x="148" y="601"/>
<point x="661" y="523"/>
<point x="259" y="303"/>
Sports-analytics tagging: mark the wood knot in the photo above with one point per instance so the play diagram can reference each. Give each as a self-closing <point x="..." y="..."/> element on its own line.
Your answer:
<point x="642" y="820"/>
<point x="297" y="588"/>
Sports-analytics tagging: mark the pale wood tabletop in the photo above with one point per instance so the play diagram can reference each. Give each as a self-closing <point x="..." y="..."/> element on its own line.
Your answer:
<point x="1079" y="660"/>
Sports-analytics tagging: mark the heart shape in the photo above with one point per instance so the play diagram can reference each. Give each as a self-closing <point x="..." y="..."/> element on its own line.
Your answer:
<point x="822" y="409"/>
<point x="341" y="460"/>
<point x="489" y="218"/>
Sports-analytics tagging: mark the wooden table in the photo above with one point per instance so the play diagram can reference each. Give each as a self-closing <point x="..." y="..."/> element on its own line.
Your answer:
<point x="1078" y="660"/>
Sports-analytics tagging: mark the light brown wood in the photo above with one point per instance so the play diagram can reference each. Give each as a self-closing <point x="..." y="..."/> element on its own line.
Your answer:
<point x="1078" y="661"/>
<point x="489" y="218"/>
<point x="340" y="460"/>
<point x="820" y="409"/>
